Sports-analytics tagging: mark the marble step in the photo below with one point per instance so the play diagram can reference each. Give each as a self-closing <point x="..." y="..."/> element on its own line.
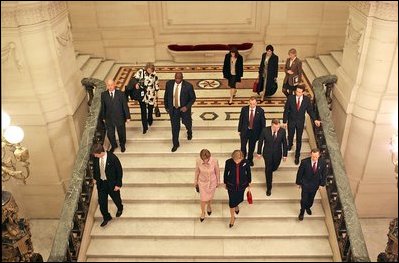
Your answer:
<point x="187" y="211"/>
<point x="182" y="160"/>
<point x="103" y="70"/>
<point x="209" y="228"/>
<point x="308" y="72"/>
<point x="337" y="55"/>
<point x="159" y="134"/>
<point x="329" y="63"/>
<point x="210" y="247"/>
<point x="177" y="177"/>
<point x="246" y="258"/>
<point x="81" y="60"/>
<point x="89" y="67"/>
<point x="317" y="67"/>
<point x="134" y="146"/>
<point x="188" y="193"/>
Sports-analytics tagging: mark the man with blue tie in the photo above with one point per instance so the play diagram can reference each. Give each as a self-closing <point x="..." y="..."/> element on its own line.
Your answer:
<point x="310" y="177"/>
<point x="178" y="99"/>
<point x="252" y="121"/>
<point x="294" y="112"/>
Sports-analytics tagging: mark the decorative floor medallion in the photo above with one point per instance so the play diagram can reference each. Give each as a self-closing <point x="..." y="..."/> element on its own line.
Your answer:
<point x="209" y="84"/>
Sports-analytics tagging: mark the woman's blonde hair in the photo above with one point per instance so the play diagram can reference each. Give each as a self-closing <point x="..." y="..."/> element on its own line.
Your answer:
<point x="205" y="154"/>
<point x="237" y="154"/>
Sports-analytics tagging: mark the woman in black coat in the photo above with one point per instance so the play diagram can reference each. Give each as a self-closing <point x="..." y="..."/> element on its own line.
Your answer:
<point x="233" y="70"/>
<point x="268" y="71"/>
<point x="237" y="177"/>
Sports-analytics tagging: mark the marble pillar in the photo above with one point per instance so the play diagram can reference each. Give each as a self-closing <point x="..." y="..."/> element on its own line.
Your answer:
<point x="41" y="91"/>
<point x="365" y="98"/>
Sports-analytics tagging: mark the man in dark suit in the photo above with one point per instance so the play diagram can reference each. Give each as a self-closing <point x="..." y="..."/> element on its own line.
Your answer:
<point x="107" y="174"/>
<point x="115" y="112"/>
<point x="250" y="125"/>
<point x="274" y="143"/>
<point x="310" y="176"/>
<point x="178" y="99"/>
<point x="294" y="112"/>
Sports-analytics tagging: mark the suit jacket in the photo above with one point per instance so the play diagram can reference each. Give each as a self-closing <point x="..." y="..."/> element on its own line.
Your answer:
<point x="113" y="170"/>
<point x="259" y="121"/>
<point x="227" y="69"/>
<point x="273" y="148"/>
<point x="292" y="115"/>
<point x="230" y="175"/>
<point x="114" y="111"/>
<point x="187" y="95"/>
<point x="296" y="67"/>
<point x="308" y="180"/>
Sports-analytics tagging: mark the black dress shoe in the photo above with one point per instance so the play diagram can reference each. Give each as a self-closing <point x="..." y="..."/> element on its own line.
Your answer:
<point x="119" y="213"/>
<point x="251" y="163"/>
<point x="144" y="131"/>
<point x="268" y="192"/>
<point x="189" y="136"/>
<point x="308" y="211"/>
<point x="296" y="161"/>
<point x="123" y="149"/>
<point x="149" y="123"/>
<point x="300" y="216"/>
<point x="105" y="222"/>
<point x="174" y="148"/>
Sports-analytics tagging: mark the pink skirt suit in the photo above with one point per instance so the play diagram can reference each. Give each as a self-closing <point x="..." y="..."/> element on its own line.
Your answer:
<point x="207" y="176"/>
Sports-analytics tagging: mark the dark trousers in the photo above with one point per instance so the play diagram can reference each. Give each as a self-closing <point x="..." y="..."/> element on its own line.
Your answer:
<point x="288" y="89"/>
<point x="175" y="116"/>
<point x="298" y="128"/>
<point x="146" y="115"/>
<point x="248" y="137"/>
<point x="307" y="199"/>
<point x="271" y="165"/>
<point x="104" y="189"/>
<point x="121" y="134"/>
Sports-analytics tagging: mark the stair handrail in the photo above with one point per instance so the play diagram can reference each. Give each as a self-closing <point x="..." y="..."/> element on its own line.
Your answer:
<point x="72" y="221"/>
<point x="343" y="209"/>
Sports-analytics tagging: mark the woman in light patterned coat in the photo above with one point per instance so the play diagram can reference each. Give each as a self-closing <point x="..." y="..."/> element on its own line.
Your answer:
<point x="147" y="79"/>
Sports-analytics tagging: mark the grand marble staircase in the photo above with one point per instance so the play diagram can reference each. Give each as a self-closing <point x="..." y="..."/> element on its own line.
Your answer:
<point x="161" y="222"/>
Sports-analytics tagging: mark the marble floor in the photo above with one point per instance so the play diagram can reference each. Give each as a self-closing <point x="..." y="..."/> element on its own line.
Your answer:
<point x="374" y="230"/>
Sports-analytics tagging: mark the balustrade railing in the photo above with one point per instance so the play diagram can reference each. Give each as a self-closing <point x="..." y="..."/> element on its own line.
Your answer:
<point x="346" y="223"/>
<point x="72" y="222"/>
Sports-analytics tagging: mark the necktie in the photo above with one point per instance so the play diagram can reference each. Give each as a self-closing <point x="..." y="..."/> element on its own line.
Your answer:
<point x="298" y="104"/>
<point x="251" y="119"/>
<point x="314" y="167"/>
<point x="176" y="95"/>
<point x="102" y="169"/>
<point x="274" y="136"/>
<point x="112" y="95"/>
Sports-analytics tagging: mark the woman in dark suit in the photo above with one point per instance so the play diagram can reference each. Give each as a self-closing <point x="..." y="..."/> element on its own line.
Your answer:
<point x="268" y="71"/>
<point x="237" y="177"/>
<point x="233" y="70"/>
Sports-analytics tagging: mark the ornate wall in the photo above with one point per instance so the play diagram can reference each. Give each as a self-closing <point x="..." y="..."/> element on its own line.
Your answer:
<point x="141" y="31"/>
<point x="365" y="99"/>
<point x="41" y="90"/>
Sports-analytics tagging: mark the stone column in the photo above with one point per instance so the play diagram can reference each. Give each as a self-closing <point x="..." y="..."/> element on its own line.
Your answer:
<point x="365" y="98"/>
<point x="41" y="91"/>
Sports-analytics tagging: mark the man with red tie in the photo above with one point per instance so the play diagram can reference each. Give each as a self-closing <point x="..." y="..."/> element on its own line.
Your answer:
<point x="294" y="111"/>
<point x="310" y="177"/>
<point x="250" y="125"/>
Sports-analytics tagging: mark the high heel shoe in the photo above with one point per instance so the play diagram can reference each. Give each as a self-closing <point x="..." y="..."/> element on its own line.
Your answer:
<point x="202" y="219"/>
<point x="237" y="211"/>
<point x="231" y="225"/>
<point x="209" y="212"/>
<point x="230" y="103"/>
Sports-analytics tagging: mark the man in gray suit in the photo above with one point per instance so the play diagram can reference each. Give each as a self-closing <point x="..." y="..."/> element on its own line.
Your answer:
<point x="178" y="99"/>
<point x="115" y="112"/>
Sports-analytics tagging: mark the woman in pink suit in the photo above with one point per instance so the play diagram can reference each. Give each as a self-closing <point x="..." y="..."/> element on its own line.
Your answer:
<point x="207" y="178"/>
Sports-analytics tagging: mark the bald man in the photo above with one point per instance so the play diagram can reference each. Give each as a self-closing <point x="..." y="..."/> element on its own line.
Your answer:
<point x="115" y="113"/>
<point x="178" y="99"/>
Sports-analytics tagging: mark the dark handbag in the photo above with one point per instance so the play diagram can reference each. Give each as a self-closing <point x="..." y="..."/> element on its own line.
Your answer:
<point x="255" y="86"/>
<point x="157" y="111"/>
<point x="249" y="197"/>
<point x="197" y="188"/>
